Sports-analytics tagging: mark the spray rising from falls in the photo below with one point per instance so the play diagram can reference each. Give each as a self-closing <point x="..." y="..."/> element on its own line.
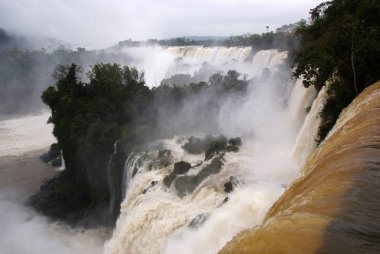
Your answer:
<point x="161" y="63"/>
<point x="333" y="207"/>
<point x="181" y="200"/>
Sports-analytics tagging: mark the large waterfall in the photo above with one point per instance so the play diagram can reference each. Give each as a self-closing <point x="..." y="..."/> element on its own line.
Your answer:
<point x="163" y="62"/>
<point x="174" y="218"/>
<point x="333" y="207"/>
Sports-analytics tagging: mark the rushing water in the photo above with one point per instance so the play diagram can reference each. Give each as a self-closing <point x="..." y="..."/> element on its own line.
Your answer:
<point x="333" y="207"/>
<point x="23" y="140"/>
<point x="158" y="219"/>
<point x="159" y="63"/>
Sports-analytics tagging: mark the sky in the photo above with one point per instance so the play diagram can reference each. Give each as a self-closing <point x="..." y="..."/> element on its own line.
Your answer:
<point x="102" y="23"/>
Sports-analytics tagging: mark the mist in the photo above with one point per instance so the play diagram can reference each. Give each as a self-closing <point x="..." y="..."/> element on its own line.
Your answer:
<point x="99" y="24"/>
<point x="234" y="91"/>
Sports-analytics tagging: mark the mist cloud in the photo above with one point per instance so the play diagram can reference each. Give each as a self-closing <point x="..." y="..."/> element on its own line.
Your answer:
<point x="97" y="23"/>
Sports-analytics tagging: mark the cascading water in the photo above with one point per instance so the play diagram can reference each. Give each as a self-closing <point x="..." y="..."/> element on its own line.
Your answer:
<point x="160" y="62"/>
<point x="306" y="139"/>
<point x="201" y="218"/>
<point x="333" y="207"/>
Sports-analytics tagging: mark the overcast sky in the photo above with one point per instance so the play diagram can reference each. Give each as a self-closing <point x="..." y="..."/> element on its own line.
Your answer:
<point x="101" y="23"/>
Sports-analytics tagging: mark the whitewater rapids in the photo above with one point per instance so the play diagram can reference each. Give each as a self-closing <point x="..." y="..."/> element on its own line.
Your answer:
<point x="155" y="219"/>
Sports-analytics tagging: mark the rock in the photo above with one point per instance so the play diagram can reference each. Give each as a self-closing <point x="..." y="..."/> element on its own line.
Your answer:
<point x="164" y="152"/>
<point x="187" y="184"/>
<point x="198" y="220"/>
<point x="148" y="189"/>
<point x="181" y="168"/>
<point x="169" y="179"/>
<point x="215" y="146"/>
<point x="212" y="145"/>
<point x="225" y="200"/>
<point x="228" y="187"/>
<point x="53" y="156"/>
<point x="195" y="145"/>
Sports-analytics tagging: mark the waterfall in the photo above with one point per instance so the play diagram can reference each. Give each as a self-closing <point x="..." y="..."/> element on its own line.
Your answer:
<point x="159" y="63"/>
<point x="333" y="207"/>
<point x="155" y="218"/>
<point x="306" y="139"/>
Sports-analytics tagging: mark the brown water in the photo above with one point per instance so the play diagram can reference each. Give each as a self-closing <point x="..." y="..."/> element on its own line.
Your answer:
<point x="334" y="207"/>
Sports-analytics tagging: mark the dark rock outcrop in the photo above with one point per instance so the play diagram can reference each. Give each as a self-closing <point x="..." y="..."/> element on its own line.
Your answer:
<point x="196" y="145"/>
<point x="198" y="220"/>
<point x="215" y="146"/>
<point x="180" y="168"/>
<point x="149" y="188"/>
<point x="53" y="156"/>
<point x="187" y="184"/>
<point x="212" y="146"/>
<point x="230" y="185"/>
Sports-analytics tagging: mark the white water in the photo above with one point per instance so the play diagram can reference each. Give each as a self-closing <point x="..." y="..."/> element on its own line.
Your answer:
<point x="21" y="135"/>
<point x="306" y="139"/>
<point x="158" y="221"/>
<point x="268" y="120"/>
<point x="160" y="62"/>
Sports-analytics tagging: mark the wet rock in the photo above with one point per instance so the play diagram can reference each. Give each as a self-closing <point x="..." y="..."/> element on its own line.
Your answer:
<point x="215" y="146"/>
<point x="198" y="220"/>
<point x="228" y="187"/>
<point x="169" y="179"/>
<point x="197" y="164"/>
<point x="187" y="184"/>
<point x="53" y="156"/>
<point x="180" y="168"/>
<point x="152" y="184"/>
<point x="212" y="146"/>
<point x="164" y="152"/>
<point x="225" y="200"/>
<point x="195" y="145"/>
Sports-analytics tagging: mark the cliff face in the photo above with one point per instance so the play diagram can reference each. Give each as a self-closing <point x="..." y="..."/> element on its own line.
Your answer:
<point x="333" y="207"/>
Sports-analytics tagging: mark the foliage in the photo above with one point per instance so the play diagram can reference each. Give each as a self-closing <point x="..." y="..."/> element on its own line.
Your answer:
<point x="341" y="43"/>
<point x="89" y="117"/>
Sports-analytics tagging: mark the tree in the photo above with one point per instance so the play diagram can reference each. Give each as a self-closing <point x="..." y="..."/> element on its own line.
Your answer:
<point x="88" y="118"/>
<point x="341" y="44"/>
<point x="341" y="41"/>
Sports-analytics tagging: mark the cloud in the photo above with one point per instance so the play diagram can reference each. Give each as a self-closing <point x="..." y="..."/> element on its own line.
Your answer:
<point x="98" y="23"/>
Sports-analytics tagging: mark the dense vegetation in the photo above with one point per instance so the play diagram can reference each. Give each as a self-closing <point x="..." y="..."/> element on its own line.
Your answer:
<point x="113" y="105"/>
<point x="340" y="47"/>
<point x="88" y="118"/>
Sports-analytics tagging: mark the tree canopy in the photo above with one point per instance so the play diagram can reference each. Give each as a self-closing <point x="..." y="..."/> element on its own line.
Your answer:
<point x="341" y="46"/>
<point x="342" y="41"/>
